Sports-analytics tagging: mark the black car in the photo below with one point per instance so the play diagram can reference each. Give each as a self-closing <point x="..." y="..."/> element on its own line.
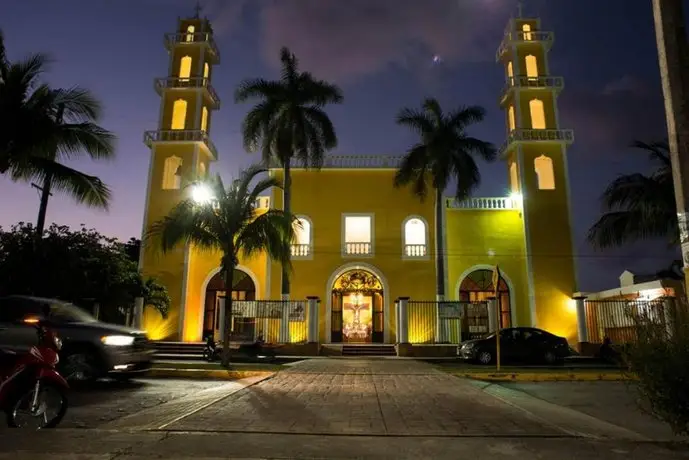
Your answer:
<point x="524" y="344"/>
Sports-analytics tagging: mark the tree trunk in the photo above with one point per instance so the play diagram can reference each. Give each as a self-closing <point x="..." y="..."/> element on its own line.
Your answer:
<point x="45" y="190"/>
<point x="673" y="58"/>
<point x="227" y="326"/>
<point x="287" y="207"/>
<point x="439" y="247"/>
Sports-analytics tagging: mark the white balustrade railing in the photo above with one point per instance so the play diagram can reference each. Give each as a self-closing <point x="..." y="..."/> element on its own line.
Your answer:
<point x="188" y="38"/>
<point x="180" y="135"/>
<point x="183" y="83"/>
<point x="484" y="204"/>
<point x="415" y="250"/>
<point x="358" y="249"/>
<point x="354" y="162"/>
<point x="301" y="250"/>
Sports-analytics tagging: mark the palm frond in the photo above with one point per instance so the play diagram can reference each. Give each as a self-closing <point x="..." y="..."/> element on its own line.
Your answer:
<point x="431" y="108"/>
<point x="271" y="232"/>
<point x="258" y="88"/>
<point x="187" y="223"/>
<point x="80" y="105"/>
<point x="617" y="228"/>
<point x="412" y="171"/>
<point x="465" y="116"/>
<point x="657" y="151"/>
<point x="416" y="120"/>
<point x="290" y="66"/>
<point x="318" y="92"/>
<point x="485" y="150"/>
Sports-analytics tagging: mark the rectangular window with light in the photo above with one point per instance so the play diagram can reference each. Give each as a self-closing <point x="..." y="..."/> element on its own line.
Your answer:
<point x="357" y="235"/>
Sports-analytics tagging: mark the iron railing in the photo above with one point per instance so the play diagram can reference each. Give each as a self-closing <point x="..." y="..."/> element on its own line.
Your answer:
<point x="278" y="321"/>
<point x="537" y="135"/>
<point x="174" y="39"/>
<point x="618" y="319"/>
<point x="486" y="204"/>
<point x="161" y="84"/>
<point x="517" y="36"/>
<point x="458" y="321"/>
<point x="180" y="135"/>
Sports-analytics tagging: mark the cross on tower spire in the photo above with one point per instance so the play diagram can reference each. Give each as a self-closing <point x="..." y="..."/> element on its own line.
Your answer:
<point x="197" y="10"/>
<point x="520" y="9"/>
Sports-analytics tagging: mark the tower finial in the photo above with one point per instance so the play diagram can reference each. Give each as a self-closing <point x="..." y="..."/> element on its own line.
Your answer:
<point x="197" y="10"/>
<point x="520" y="9"/>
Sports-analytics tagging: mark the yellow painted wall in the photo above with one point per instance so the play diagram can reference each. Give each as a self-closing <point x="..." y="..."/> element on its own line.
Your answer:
<point x="550" y="238"/>
<point x="324" y="196"/>
<point x="470" y="237"/>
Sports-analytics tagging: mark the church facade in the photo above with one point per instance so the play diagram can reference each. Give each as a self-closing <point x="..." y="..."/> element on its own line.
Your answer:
<point x="363" y="260"/>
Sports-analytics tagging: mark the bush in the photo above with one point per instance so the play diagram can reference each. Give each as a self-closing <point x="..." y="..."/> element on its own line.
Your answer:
<point x="660" y="360"/>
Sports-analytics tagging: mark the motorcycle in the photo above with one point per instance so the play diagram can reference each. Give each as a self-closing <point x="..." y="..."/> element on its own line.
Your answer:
<point x="31" y="389"/>
<point x="210" y="350"/>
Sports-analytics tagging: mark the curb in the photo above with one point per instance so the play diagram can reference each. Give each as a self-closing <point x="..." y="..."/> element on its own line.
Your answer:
<point x="546" y="377"/>
<point x="171" y="373"/>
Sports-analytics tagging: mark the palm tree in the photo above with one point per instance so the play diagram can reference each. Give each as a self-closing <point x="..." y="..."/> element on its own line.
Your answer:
<point x="638" y="206"/>
<point x="42" y="126"/>
<point x="289" y="122"/>
<point x="228" y="223"/>
<point x="445" y="152"/>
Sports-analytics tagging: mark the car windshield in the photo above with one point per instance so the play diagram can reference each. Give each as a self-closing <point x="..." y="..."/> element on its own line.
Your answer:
<point x="68" y="313"/>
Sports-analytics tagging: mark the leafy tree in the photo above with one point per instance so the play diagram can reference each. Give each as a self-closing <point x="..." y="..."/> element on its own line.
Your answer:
<point x="444" y="153"/>
<point x="82" y="266"/>
<point x="289" y="123"/>
<point x="228" y="223"/>
<point x="43" y="126"/>
<point x="638" y="206"/>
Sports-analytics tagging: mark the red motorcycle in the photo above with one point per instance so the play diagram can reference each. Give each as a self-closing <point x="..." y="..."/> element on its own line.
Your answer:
<point x="32" y="392"/>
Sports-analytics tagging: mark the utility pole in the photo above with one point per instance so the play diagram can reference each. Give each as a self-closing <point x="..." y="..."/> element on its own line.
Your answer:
<point x="45" y="189"/>
<point x="673" y="58"/>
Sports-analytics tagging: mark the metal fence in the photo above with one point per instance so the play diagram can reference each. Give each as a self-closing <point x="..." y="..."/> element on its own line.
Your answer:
<point x="458" y="321"/>
<point x="617" y="319"/>
<point x="278" y="321"/>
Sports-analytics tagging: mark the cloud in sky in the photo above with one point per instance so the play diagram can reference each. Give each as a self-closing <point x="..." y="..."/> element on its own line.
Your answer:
<point x="346" y="40"/>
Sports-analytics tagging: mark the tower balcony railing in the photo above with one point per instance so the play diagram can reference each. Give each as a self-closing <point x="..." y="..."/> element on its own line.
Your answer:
<point x="180" y="135"/>
<point x="484" y="204"/>
<point x="526" y="82"/>
<point x="188" y="83"/>
<point x="171" y="40"/>
<point x="565" y="136"/>
<point x="353" y="162"/>
<point x="519" y="37"/>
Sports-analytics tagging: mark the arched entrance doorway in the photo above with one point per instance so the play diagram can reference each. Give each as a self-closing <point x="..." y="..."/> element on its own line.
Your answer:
<point x="357" y="308"/>
<point x="477" y="286"/>
<point x="243" y="289"/>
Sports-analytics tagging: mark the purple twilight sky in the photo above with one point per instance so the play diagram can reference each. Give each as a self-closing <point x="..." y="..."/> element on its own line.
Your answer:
<point x="382" y="53"/>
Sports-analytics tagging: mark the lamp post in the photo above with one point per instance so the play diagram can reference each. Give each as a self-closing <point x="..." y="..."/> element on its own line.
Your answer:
<point x="673" y="59"/>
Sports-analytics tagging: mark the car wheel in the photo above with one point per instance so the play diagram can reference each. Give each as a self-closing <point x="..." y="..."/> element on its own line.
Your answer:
<point x="549" y="358"/>
<point x="484" y="357"/>
<point x="79" y="366"/>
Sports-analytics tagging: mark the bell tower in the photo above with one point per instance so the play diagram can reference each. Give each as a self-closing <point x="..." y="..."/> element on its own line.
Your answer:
<point x="536" y="155"/>
<point x="181" y="150"/>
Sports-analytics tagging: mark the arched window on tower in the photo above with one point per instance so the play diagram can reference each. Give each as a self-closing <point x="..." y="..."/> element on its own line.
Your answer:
<point x="514" y="177"/>
<point x="510" y="118"/>
<point x="190" y="34"/>
<point x="185" y="68"/>
<point x="172" y="173"/>
<point x="510" y="73"/>
<point x="531" y="67"/>
<point x="303" y="238"/>
<point x="415" y="241"/>
<point x="526" y="28"/>
<point x="537" y="114"/>
<point x="204" y="119"/>
<point x="545" y="173"/>
<point x="179" y="114"/>
<point x="206" y="70"/>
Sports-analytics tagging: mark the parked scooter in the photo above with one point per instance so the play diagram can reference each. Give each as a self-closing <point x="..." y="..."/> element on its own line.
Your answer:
<point x="32" y="392"/>
<point x="210" y="351"/>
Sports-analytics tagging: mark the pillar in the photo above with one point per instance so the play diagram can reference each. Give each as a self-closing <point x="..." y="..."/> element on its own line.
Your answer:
<point x="582" y="329"/>
<point x="284" y="322"/>
<point x="312" y="315"/>
<point x="138" y="312"/>
<point x="669" y="314"/>
<point x="492" y="314"/>
<point x="403" y="320"/>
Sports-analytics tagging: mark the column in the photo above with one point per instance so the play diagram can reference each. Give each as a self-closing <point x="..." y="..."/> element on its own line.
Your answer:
<point x="582" y="329"/>
<point x="312" y="312"/>
<point x="138" y="312"/>
<point x="492" y="314"/>
<point x="284" y="322"/>
<point x="402" y="320"/>
<point x="669" y="314"/>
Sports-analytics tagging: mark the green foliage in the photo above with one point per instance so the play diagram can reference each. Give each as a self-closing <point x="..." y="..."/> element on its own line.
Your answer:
<point x="82" y="266"/>
<point x="660" y="360"/>
<point x="639" y="206"/>
<point x="42" y="126"/>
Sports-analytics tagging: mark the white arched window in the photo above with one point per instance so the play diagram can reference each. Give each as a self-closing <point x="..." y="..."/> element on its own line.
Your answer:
<point x="531" y="66"/>
<point x="190" y="33"/>
<point x="414" y="233"/>
<point x="172" y="174"/>
<point x="185" y="68"/>
<point x="526" y="28"/>
<point x="537" y="114"/>
<point x="179" y="114"/>
<point x="545" y="173"/>
<point x="302" y="245"/>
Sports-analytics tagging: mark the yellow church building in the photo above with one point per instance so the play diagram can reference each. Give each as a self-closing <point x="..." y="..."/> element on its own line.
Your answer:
<point x="363" y="260"/>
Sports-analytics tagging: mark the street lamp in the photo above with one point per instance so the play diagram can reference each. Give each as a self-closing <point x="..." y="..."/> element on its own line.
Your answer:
<point x="201" y="194"/>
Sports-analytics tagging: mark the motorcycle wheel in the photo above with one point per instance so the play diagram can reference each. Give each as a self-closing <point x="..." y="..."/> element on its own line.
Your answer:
<point x="24" y="399"/>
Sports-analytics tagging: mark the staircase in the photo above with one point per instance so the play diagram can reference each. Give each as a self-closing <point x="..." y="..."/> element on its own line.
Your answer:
<point x="178" y="350"/>
<point x="369" y="350"/>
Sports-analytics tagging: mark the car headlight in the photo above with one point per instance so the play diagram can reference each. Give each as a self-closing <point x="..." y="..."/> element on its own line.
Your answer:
<point x="468" y="346"/>
<point x="117" y="340"/>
